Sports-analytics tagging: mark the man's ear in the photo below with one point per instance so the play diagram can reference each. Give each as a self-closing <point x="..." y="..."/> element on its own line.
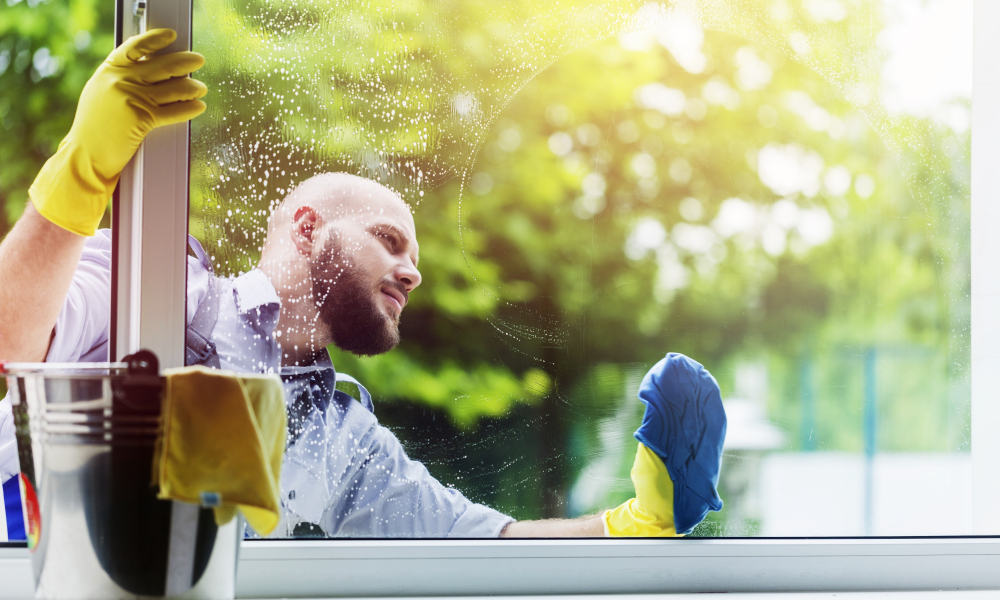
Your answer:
<point x="305" y="224"/>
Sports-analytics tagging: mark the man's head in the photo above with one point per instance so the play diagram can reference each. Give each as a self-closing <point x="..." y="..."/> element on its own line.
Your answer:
<point x="357" y="243"/>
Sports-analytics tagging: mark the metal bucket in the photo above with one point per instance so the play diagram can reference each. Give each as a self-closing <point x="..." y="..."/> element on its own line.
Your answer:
<point x="86" y="435"/>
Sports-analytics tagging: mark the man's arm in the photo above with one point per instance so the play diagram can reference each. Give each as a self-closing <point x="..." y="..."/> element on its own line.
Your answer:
<point x="37" y="260"/>
<point x="590" y="526"/>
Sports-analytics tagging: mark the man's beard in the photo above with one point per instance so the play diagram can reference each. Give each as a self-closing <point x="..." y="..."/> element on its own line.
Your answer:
<point x="347" y="307"/>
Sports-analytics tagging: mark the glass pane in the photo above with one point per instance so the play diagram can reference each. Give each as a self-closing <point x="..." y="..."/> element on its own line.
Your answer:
<point x="777" y="188"/>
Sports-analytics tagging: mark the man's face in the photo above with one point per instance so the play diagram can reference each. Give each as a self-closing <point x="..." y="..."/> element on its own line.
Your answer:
<point x="362" y="277"/>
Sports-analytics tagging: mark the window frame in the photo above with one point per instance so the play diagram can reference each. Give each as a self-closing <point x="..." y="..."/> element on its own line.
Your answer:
<point x="150" y="215"/>
<point x="545" y="566"/>
<point x="985" y="247"/>
<point x="479" y="567"/>
<point x="391" y="568"/>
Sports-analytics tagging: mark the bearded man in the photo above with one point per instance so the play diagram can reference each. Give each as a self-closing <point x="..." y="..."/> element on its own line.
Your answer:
<point x="337" y="267"/>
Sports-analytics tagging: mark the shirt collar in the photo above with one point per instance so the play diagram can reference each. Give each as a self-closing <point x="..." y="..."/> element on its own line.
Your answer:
<point x="258" y="303"/>
<point x="256" y="300"/>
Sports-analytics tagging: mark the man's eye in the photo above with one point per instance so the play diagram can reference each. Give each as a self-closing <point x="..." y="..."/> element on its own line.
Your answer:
<point x="389" y="239"/>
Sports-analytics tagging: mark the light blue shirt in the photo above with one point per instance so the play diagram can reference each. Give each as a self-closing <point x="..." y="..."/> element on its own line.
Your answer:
<point x="344" y="475"/>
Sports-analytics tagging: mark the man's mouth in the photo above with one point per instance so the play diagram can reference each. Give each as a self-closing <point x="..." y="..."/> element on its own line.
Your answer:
<point x="396" y="297"/>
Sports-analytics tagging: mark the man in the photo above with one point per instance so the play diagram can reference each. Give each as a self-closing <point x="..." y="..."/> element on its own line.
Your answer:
<point x="338" y="265"/>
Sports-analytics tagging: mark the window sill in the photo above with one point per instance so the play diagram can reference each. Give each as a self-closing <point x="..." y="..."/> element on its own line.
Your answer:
<point x="525" y="567"/>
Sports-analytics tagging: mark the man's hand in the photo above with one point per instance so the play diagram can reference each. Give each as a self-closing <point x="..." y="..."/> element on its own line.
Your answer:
<point x="131" y="93"/>
<point x="676" y="467"/>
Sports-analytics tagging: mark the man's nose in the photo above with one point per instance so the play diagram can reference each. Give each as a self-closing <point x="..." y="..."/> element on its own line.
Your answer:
<point x="408" y="275"/>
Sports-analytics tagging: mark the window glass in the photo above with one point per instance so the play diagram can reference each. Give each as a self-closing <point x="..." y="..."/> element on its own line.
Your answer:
<point x="777" y="188"/>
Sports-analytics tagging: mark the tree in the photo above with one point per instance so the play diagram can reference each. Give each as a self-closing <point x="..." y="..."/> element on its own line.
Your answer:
<point x="47" y="52"/>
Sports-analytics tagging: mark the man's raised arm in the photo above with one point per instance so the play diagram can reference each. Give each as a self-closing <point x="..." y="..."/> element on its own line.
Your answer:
<point x="131" y="93"/>
<point x="37" y="260"/>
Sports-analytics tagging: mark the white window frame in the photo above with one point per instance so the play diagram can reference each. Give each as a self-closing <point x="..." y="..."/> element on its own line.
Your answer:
<point x="985" y="247"/>
<point x="150" y="215"/>
<point x="507" y="567"/>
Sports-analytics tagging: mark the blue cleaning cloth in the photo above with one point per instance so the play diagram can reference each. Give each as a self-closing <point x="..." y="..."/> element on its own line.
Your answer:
<point x="685" y="426"/>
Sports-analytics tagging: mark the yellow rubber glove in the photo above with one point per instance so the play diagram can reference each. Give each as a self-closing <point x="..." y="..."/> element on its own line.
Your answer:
<point x="130" y="93"/>
<point x="651" y="512"/>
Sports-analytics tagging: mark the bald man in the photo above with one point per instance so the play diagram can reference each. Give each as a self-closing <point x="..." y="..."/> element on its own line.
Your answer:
<point x="337" y="267"/>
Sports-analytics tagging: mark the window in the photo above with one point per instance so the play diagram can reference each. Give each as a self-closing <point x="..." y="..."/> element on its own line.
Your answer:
<point x="833" y="181"/>
<point x="776" y="189"/>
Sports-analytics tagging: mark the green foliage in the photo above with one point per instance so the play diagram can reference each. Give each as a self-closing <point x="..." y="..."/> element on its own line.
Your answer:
<point x="48" y="49"/>
<point x="466" y="394"/>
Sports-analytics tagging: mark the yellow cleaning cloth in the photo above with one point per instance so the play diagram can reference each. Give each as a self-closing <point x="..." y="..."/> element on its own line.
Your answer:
<point x="222" y="443"/>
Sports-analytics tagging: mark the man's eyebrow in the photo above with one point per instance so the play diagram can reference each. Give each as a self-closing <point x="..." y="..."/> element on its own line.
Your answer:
<point x="383" y="227"/>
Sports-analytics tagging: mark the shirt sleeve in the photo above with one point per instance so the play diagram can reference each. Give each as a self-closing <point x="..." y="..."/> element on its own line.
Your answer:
<point x="81" y="330"/>
<point x="366" y="486"/>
